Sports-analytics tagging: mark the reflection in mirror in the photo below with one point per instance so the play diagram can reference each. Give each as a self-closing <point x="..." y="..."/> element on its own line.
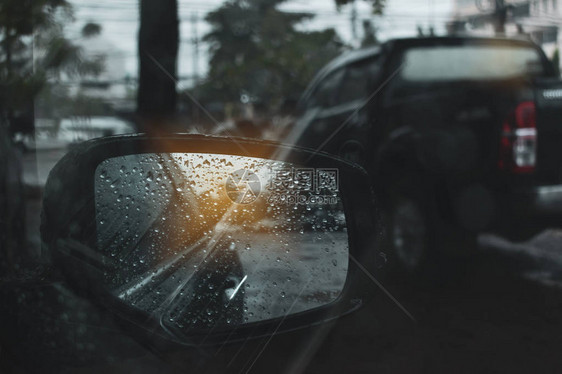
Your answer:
<point x="205" y="240"/>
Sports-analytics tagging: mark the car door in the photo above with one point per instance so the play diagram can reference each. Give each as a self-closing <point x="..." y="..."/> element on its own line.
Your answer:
<point x="335" y="116"/>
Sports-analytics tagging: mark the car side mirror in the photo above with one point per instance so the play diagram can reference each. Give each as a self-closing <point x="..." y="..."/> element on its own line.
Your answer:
<point x="193" y="238"/>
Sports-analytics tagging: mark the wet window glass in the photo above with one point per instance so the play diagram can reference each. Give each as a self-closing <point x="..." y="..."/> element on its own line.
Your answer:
<point x="457" y="253"/>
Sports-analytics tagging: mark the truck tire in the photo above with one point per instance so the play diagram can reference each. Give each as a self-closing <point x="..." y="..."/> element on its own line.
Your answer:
<point x="408" y="239"/>
<point x="421" y="244"/>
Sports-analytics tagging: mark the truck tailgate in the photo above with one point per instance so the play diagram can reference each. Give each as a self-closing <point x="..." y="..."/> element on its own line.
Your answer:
<point x="548" y="98"/>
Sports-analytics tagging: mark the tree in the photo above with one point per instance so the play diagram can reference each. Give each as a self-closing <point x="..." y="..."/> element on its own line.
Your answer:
<point x="158" y="53"/>
<point x="257" y="53"/>
<point x="54" y="100"/>
<point x="18" y="84"/>
<point x="33" y="51"/>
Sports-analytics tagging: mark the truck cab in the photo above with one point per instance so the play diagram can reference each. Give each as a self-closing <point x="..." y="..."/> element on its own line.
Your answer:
<point x="460" y="135"/>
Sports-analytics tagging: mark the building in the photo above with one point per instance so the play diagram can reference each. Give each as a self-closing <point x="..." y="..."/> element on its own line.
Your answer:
<point x="541" y="20"/>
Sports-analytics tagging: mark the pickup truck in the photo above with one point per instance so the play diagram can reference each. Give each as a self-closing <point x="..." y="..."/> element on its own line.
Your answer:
<point x="460" y="135"/>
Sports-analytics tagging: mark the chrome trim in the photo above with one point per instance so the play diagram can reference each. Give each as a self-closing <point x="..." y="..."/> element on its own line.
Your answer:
<point x="545" y="190"/>
<point x="552" y="94"/>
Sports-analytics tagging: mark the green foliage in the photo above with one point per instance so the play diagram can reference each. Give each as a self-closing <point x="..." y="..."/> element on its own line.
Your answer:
<point x="256" y="51"/>
<point x="34" y="52"/>
<point x="24" y="17"/>
<point x="91" y="29"/>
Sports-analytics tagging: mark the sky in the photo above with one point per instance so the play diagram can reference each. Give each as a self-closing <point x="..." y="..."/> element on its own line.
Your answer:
<point x="119" y="20"/>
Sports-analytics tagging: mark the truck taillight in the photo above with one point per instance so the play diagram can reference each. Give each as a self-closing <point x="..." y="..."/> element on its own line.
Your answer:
<point x="518" y="144"/>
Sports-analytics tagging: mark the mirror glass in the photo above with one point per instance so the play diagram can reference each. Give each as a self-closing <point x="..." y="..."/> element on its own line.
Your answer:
<point x="207" y="240"/>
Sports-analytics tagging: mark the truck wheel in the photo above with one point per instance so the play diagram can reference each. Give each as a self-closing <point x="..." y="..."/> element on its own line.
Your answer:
<point x="422" y="245"/>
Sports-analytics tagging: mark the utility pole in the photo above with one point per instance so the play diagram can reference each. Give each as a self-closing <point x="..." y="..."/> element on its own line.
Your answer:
<point x="195" y="71"/>
<point x="195" y="42"/>
<point x="353" y="20"/>
<point x="500" y="16"/>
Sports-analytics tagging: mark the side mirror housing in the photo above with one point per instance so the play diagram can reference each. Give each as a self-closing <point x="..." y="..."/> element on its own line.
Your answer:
<point x="195" y="239"/>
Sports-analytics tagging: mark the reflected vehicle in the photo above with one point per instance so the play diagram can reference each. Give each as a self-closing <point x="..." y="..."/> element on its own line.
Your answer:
<point x="187" y="239"/>
<point x="75" y="130"/>
<point x="50" y="134"/>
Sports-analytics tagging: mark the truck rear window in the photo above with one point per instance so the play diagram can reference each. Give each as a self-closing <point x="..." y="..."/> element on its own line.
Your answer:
<point x="450" y="63"/>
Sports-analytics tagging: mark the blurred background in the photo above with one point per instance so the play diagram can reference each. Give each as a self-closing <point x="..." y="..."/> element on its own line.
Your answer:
<point x="72" y="67"/>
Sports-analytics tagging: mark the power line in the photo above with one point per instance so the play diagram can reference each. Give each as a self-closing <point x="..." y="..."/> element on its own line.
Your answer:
<point x="211" y="8"/>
